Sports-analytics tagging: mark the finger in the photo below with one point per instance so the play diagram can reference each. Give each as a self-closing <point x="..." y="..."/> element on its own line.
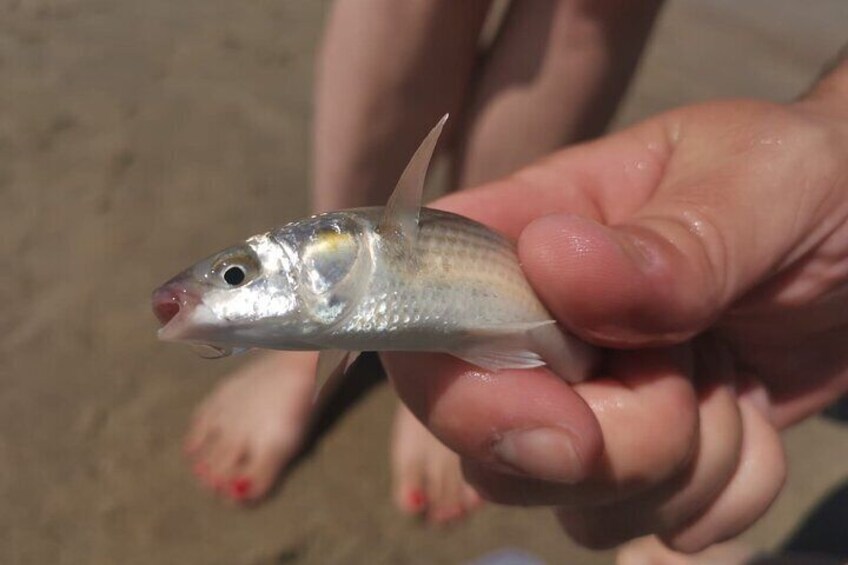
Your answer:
<point x="754" y="486"/>
<point x="527" y="422"/>
<point x="699" y="241"/>
<point x="528" y="438"/>
<point x="676" y="501"/>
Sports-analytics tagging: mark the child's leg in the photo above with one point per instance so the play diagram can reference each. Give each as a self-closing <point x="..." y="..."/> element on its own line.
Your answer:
<point x="387" y="72"/>
<point x="554" y="75"/>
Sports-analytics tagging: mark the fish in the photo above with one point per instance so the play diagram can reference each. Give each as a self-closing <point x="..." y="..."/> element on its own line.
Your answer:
<point x="402" y="277"/>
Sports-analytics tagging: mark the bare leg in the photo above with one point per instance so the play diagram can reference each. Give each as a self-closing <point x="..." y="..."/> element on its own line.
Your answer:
<point x="388" y="71"/>
<point x="554" y="76"/>
<point x="378" y="91"/>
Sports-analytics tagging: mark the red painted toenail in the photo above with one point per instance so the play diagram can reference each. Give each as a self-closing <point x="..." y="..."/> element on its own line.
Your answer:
<point x="240" y="488"/>
<point x="416" y="499"/>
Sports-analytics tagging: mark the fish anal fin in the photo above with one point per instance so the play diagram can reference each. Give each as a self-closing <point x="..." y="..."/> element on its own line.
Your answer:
<point x="528" y="345"/>
<point x="400" y="216"/>
<point x="503" y="346"/>
<point x="497" y="358"/>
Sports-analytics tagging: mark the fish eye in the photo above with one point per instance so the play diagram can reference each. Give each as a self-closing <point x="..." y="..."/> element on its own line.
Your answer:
<point x="235" y="267"/>
<point x="234" y="275"/>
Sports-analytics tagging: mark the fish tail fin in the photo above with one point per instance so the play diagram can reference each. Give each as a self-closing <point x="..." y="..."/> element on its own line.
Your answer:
<point x="566" y="355"/>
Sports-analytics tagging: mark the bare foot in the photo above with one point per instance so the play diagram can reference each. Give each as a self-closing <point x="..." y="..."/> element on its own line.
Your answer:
<point x="427" y="475"/>
<point x="248" y="428"/>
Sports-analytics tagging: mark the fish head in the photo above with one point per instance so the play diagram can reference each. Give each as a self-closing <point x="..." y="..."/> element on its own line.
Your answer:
<point x="284" y="290"/>
<point x="226" y="298"/>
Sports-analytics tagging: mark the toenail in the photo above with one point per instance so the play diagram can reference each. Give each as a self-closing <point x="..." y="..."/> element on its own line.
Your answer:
<point x="416" y="499"/>
<point x="542" y="453"/>
<point x="240" y="488"/>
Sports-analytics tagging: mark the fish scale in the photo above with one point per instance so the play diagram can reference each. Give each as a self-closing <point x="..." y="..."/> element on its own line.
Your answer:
<point x="464" y="278"/>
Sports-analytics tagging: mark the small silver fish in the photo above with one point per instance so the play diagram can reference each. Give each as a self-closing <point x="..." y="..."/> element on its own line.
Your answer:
<point x="393" y="278"/>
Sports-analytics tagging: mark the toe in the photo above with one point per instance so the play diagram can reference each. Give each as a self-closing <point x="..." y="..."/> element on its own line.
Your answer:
<point x="409" y="489"/>
<point x="204" y="455"/>
<point x="238" y="488"/>
<point x="438" y="492"/>
<point x="407" y="459"/>
<point x="447" y="490"/>
<point x="199" y="432"/>
<point x="471" y="499"/>
<point x="223" y="460"/>
<point x="262" y="468"/>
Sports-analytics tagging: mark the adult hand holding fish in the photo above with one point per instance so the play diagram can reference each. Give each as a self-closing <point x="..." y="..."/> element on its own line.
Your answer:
<point x="707" y="248"/>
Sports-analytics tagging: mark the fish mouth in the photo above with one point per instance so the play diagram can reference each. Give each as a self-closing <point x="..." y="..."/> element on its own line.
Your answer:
<point x="173" y="306"/>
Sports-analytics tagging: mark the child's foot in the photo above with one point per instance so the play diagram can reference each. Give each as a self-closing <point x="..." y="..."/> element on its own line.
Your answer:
<point x="427" y="475"/>
<point x="248" y="429"/>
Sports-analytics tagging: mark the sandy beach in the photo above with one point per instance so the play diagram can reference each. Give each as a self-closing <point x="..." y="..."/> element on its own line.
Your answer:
<point x="137" y="137"/>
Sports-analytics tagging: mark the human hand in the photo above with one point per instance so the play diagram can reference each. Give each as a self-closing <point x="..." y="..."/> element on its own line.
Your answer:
<point x="707" y="248"/>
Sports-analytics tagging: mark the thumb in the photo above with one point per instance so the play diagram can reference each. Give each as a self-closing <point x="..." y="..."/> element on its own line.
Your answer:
<point x="727" y="214"/>
<point x="620" y="286"/>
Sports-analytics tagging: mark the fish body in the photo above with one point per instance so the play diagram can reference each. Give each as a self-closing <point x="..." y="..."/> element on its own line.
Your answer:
<point x="393" y="278"/>
<point x="459" y="279"/>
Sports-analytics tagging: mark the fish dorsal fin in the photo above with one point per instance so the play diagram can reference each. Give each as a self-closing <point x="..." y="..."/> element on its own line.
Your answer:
<point x="400" y="217"/>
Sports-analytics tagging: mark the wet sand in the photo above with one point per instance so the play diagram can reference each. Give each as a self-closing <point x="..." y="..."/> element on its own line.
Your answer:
<point x="138" y="136"/>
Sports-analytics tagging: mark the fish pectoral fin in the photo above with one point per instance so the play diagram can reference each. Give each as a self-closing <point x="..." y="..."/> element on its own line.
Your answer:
<point x="332" y="366"/>
<point x="208" y="351"/>
<point x="400" y="216"/>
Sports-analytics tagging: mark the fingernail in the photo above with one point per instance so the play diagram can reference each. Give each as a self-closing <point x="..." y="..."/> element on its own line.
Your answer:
<point x="541" y="453"/>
